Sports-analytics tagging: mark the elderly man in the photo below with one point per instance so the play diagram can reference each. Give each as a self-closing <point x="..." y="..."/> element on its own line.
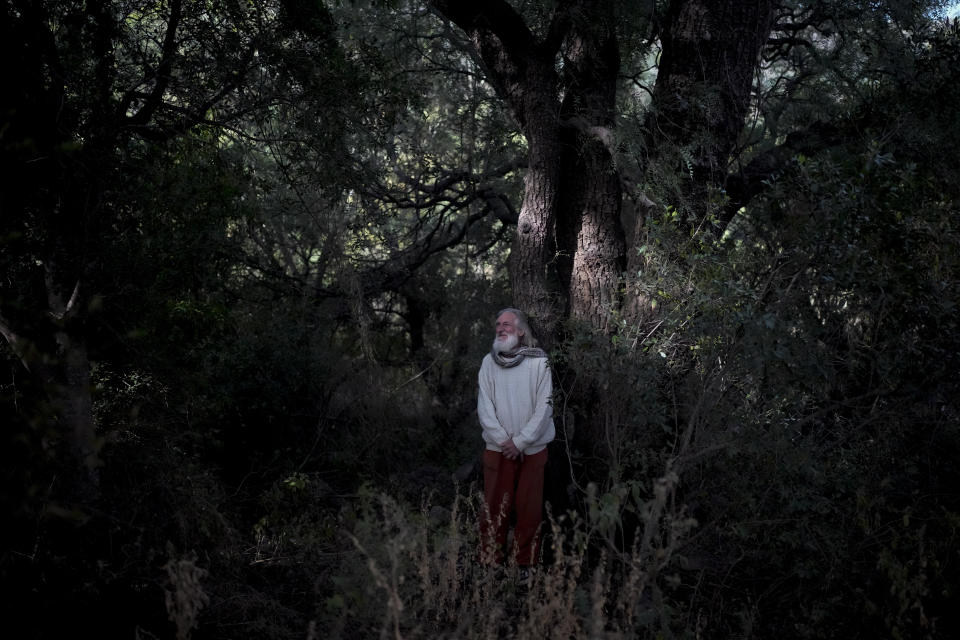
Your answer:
<point x="517" y="418"/>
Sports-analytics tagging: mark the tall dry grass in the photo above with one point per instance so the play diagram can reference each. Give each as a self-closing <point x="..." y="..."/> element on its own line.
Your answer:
<point x="415" y="574"/>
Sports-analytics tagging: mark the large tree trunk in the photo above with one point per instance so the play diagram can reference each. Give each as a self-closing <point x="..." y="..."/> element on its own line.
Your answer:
<point x="588" y="219"/>
<point x="599" y="251"/>
<point x="532" y="264"/>
<point x="568" y="254"/>
<point x="569" y="225"/>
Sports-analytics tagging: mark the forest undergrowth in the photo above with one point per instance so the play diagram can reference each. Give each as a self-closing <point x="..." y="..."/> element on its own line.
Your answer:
<point x="775" y="453"/>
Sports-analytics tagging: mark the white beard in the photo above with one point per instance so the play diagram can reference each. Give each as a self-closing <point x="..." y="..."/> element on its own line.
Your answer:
<point x="506" y="345"/>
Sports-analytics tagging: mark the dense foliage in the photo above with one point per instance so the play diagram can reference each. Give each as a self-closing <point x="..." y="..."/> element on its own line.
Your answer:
<point x="260" y="245"/>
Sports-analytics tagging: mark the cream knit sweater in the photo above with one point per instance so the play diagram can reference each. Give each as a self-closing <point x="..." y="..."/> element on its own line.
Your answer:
<point x="516" y="403"/>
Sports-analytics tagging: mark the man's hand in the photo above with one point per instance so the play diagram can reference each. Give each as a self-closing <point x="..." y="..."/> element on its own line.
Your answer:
<point x="509" y="449"/>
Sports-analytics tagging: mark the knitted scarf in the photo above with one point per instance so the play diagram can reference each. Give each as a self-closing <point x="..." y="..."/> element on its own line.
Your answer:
<point x="513" y="358"/>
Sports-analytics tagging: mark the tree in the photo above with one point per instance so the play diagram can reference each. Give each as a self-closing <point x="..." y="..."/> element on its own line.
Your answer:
<point x="561" y="84"/>
<point x="565" y="143"/>
<point x="105" y="94"/>
<point x="714" y="120"/>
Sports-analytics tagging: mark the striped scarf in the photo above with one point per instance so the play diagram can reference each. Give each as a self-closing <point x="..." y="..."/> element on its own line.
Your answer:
<point x="513" y="358"/>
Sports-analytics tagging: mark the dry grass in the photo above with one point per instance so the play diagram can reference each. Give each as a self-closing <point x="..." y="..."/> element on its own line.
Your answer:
<point x="186" y="598"/>
<point x="421" y="578"/>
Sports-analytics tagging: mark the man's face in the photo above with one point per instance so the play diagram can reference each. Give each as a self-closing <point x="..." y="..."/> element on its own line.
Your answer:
<point x="507" y="333"/>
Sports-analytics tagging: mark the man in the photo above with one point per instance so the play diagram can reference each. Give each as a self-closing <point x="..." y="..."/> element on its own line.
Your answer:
<point x="513" y="405"/>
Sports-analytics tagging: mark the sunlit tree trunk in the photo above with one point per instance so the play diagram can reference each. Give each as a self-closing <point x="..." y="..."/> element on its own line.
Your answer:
<point x="598" y="247"/>
<point x="532" y="259"/>
<point x="561" y="87"/>
<point x="588" y="220"/>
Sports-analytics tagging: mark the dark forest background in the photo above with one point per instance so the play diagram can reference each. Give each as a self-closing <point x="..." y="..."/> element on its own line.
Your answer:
<point x="250" y="256"/>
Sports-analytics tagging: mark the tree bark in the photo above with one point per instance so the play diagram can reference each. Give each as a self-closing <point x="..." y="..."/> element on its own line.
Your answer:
<point x="588" y="219"/>
<point x="567" y="256"/>
<point x="599" y="250"/>
<point x="532" y="264"/>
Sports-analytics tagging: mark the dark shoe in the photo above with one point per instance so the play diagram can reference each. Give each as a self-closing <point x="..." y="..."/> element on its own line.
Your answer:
<point x="525" y="576"/>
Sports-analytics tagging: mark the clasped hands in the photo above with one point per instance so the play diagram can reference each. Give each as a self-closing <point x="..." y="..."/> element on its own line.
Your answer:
<point x="510" y="450"/>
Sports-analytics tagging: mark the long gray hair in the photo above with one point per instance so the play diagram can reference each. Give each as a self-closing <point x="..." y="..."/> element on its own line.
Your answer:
<point x="523" y="322"/>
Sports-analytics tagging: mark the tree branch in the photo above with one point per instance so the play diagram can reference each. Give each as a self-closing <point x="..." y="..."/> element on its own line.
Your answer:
<point x="162" y="74"/>
<point x="748" y="182"/>
<point x="507" y="49"/>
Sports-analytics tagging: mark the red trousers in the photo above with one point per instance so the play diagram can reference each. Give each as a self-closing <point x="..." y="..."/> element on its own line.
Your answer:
<point x="512" y="486"/>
